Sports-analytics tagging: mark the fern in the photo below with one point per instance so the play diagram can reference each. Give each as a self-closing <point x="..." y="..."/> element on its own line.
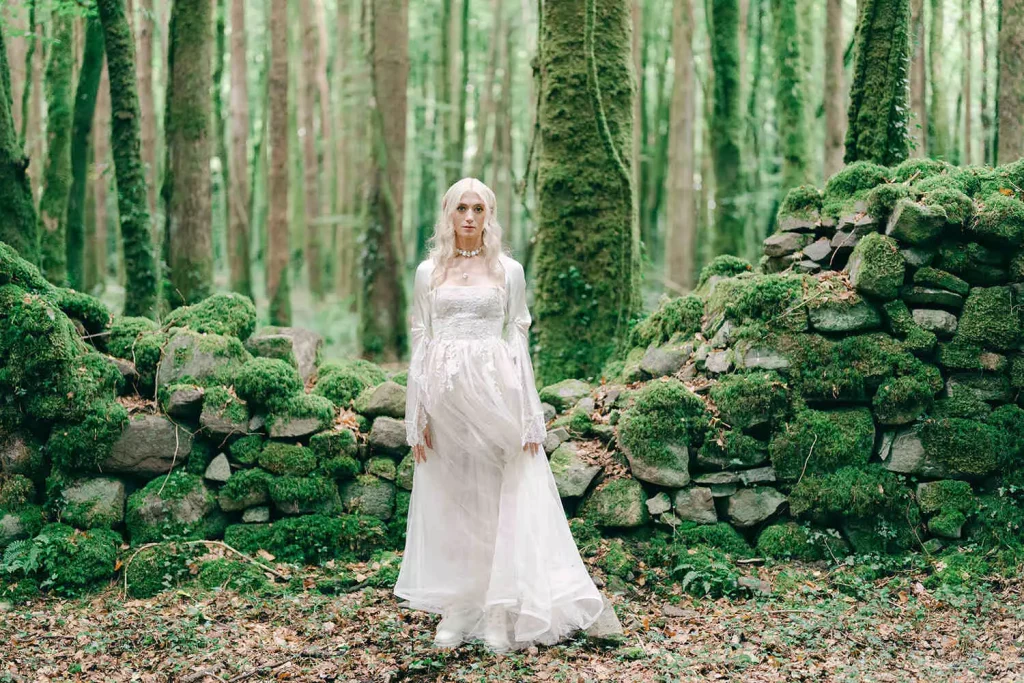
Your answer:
<point x="21" y="556"/>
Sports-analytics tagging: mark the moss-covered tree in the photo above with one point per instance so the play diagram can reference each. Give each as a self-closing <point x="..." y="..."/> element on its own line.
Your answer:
<point x="938" y="111"/>
<point x="188" y="144"/>
<point x="1010" y="126"/>
<point x="57" y="174"/>
<point x="879" y="112"/>
<point x="17" y="213"/>
<point x="140" y="264"/>
<point x="382" y="306"/>
<point x="835" y="93"/>
<point x="587" y="240"/>
<point x="85" y="109"/>
<point x="681" y="240"/>
<point x="238" y="165"/>
<point x="790" y="98"/>
<point x="278" y="287"/>
<point x="726" y="128"/>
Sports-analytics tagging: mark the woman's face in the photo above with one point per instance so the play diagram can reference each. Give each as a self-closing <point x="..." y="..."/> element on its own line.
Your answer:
<point x="470" y="216"/>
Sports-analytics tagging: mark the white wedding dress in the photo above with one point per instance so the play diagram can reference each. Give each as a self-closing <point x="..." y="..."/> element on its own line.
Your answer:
<point x="487" y="537"/>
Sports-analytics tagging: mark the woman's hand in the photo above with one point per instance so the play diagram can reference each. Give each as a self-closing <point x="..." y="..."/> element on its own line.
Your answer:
<point x="419" y="453"/>
<point x="531" y="448"/>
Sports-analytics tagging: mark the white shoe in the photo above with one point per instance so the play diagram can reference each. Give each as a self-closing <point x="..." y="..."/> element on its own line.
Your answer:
<point x="496" y="630"/>
<point x="450" y="630"/>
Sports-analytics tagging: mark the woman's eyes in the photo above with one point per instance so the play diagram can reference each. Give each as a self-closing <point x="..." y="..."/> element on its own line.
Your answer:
<point x="477" y="209"/>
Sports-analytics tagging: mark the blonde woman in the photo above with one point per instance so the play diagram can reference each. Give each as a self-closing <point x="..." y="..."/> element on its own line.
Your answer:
<point x="488" y="546"/>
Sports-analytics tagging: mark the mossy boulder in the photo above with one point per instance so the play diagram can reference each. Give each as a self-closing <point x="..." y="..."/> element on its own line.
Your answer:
<point x="75" y="561"/>
<point x="750" y="506"/>
<point x="616" y="503"/>
<point x="752" y="400"/>
<point x="999" y="221"/>
<point x="182" y="401"/>
<point x="93" y="441"/>
<point x="20" y="524"/>
<point x="369" y="495"/>
<point x="293" y="495"/>
<point x="939" y="279"/>
<point x="850" y="185"/>
<point x="902" y="400"/>
<point x="171" y="508"/>
<point x="310" y="539"/>
<point x="296" y="346"/>
<point x="140" y="341"/>
<point x="792" y="541"/>
<point x="990" y="320"/>
<point x="203" y="359"/>
<point x="333" y="443"/>
<point x="382" y="467"/>
<point x="406" y="472"/>
<point x="343" y="382"/>
<point x="877" y="267"/>
<point x="963" y="448"/>
<point x="387" y="399"/>
<point x="772" y="300"/>
<point x="16" y="491"/>
<point x="656" y="434"/>
<point x="674" y="316"/>
<point x="287" y="459"/>
<point x="731" y="449"/>
<point x="149" y="445"/>
<point x="300" y="416"/>
<point x="241" y="577"/>
<point x="245" y="489"/>
<point x="267" y="382"/>
<point x="387" y="436"/>
<point x="160" y="567"/>
<point x="565" y="394"/>
<point x="93" y="502"/>
<point x="843" y="313"/>
<point x="800" y="209"/>
<point x="572" y="474"/>
<point x="976" y="263"/>
<point x="224" y="415"/>
<point x="246" y="450"/>
<point x="818" y="441"/>
<point x="721" y="535"/>
<point x="227" y="314"/>
<point x="21" y="454"/>
<point x="916" y="223"/>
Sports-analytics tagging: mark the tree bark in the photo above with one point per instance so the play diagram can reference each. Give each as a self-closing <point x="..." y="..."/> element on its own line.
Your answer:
<point x="278" y="287"/>
<point x="938" y="114"/>
<point x="344" y="284"/>
<point x="16" y="16"/>
<point x="147" y="105"/>
<point x="968" y="49"/>
<point x="486" y="116"/>
<point x="790" y="97"/>
<point x="587" y="247"/>
<point x="878" y="114"/>
<point x="238" y="162"/>
<point x="726" y="129"/>
<point x="382" y="324"/>
<point x="189" y="147"/>
<point x="835" y="119"/>
<point x="1010" y="114"/>
<point x="681" y="240"/>
<point x="81" y="137"/>
<point x="96" y="219"/>
<point x="18" y="226"/>
<point x="140" y="264"/>
<point x="986" y="112"/>
<point x="918" y="83"/>
<point x="311" y="168"/>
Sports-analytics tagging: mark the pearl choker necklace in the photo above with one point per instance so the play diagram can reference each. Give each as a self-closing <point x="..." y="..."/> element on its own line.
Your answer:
<point x="467" y="254"/>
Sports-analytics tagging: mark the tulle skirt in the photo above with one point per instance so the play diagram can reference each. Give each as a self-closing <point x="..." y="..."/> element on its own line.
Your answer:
<point x="487" y="536"/>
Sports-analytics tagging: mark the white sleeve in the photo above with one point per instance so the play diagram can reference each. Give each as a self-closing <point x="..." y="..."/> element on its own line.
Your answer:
<point x="420" y="336"/>
<point x="517" y="326"/>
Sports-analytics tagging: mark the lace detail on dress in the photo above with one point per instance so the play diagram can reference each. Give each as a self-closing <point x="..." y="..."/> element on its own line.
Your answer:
<point x="534" y="430"/>
<point x="469" y="312"/>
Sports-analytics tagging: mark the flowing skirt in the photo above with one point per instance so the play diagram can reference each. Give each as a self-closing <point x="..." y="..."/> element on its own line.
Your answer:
<point x="487" y="536"/>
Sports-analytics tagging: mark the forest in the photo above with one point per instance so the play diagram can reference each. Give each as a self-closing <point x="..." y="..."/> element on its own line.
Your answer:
<point x="774" y="259"/>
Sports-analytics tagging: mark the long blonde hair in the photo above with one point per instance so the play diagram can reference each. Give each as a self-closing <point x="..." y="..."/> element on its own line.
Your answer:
<point x="442" y="243"/>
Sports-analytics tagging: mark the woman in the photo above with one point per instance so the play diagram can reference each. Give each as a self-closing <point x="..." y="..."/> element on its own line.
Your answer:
<point x="487" y="544"/>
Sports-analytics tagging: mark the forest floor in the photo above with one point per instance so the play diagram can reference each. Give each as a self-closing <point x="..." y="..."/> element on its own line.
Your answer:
<point x="805" y="625"/>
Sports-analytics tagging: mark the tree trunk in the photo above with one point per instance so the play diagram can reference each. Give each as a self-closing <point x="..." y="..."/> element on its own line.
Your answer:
<point x="238" y="163"/>
<point x="382" y="323"/>
<point x="986" y="112"/>
<point x="938" y="114"/>
<point x="1010" y="113"/>
<point x="587" y="254"/>
<point x="57" y="175"/>
<point x="345" y="229"/>
<point x="189" y="147"/>
<point x="502" y="154"/>
<point x="968" y="49"/>
<point x="790" y="93"/>
<point x="726" y="129"/>
<point x="485" y="119"/>
<point x="918" y="83"/>
<point x="85" y="109"/>
<point x="278" y="287"/>
<point x="835" y="120"/>
<point x="310" y="165"/>
<point x="147" y="106"/>
<point x="140" y="265"/>
<point x="878" y="114"/>
<point x="96" y="218"/>
<point x="16" y="17"/>
<point x="681" y="240"/>
<point x="18" y="226"/>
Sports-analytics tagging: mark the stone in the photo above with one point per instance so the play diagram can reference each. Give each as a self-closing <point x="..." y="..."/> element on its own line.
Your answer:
<point x="219" y="469"/>
<point x="986" y="387"/>
<point x="723" y="337"/>
<point x="749" y="507"/>
<point x="149" y="446"/>
<point x="222" y="422"/>
<point x="785" y="243"/>
<point x="794" y="223"/>
<point x="764" y="358"/>
<point x="387" y="436"/>
<point x="695" y="505"/>
<point x="807" y="267"/>
<point x="17" y="456"/>
<point x="918" y="258"/>
<point x="842" y="316"/>
<point x="659" y="503"/>
<point x="616" y="503"/>
<point x="387" y="399"/>
<point x="820" y="251"/>
<point x="257" y="424"/>
<point x="94" y="502"/>
<point x="549" y="411"/>
<point x="607" y="626"/>
<point x="551" y="442"/>
<point x="674" y="473"/>
<point x="256" y="515"/>
<point x="846" y="238"/>
<point x="369" y="495"/>
<point x="193" y="356"/>
<point x="916" y="224"/>
<point x="565" y="393"/>
<point x="906" y="455"/>
<point x="185" y="403"/>
<point x="298" y="346"/>
<point x="719" y="362"/>
<point x="927" y="296"/>
<point x="941" y="323"/>
<point x="382" y="467"/>
<point x="585" y="404"/>
<point x="778" y="264"/>
<point x="659" y="361"/>
<point x="14" y="528"/>
<point x="717" y="478"/>
<point x="295" y="427"/>
<point x="128" y="373"/>
<point x="572" y="475"/>
<point x="876" y="267"/>
<point x="405" y="473"/>
<point x="723" y="490"/>
<point x="154" y="511"/>
<point x="758" y="475"/>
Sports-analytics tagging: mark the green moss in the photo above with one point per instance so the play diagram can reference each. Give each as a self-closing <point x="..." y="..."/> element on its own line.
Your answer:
<point x="586" y="535"/>
<point x="877" y="267"/>
<point x="915" y="339"/>
<point x="200" y="457"/>
<point x="965" y="447"/>
<point x="170" y="489"/>
<point x="221" y="401"/>
<point x="333" y="444"/>
<point x="749" y="400"/>
<point x="309" y="494"/>
<point x="902" y="400"/>
<point x="999" y="221"/>
<point x="881" y="199"/>
<point x="228" y="314"/>
<point x="281" y="458"/>
<point x="721" y="536"/>
<point x="303" y="407"/>
<point x="823" y="441"/>
<point x="611" y="502"/>
<point x="267" y="382"/>
<point x="580" y="422"/>
<point x="88" y="310"/>
<point x="160" y="567"/>
<point x="1009" y="421"/>
<point x="850" y="184"/>
<point x="242" y="577"/>
<point x="18" y="271"/>
<point x="343" y="382"/>
<point x="16" y="491"/>
<point x="681" y="315"/>
<point x="310" y="539"/>
<point x="85" y="445"/>
<point x="989" y="319"/>
<point x="975" y="263"/>
<point x="725" y="265"/>
<point x="853" y="492"/>
<point x="921" y="168"/>
<point x="947" y="524"/>
<point x="968" y="180"/>
<point x="730" y="449"/>
<point x="137" y="340"/>
<point x="998" y="524"/>
<point x="948" y="494"/>
<point x="956" y="570"/>
<point x="76" y="561"/>
<point x="963" y="403"/>
<point x="771" y="299"/>
<point x="402" y="378"/>
<point x="961" y="355"/>
<point x="791" y="541"/>
<point x="664" y="415"/>
<point x="617" y="560"/>
<point x="803" y="201"/>
<point x="243" y="488"/>
<point x="956" y="205"/>
<point x="705" y="571"/>
<point x="340" y="468"/>
<point x="246" y="450"/>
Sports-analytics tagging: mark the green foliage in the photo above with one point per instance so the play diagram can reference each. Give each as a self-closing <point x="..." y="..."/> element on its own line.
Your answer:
<point x="664" y="415"/>
<point x="920" y="168"/>
<point x="66" y="560"/>
<point x="681" y="315"/>
<point x="242" y="577"/>
<point x="282" y="458"/>
<point x="169" y="491"/>
<point x="586" y="534"/>
<point x="246" y="450"/>
<point x="803" y="201"/>
<point x="850" y="184"/>
<point x="228" y="314"/>
<point x="966" y="447"/>
<point x="704" y="571"/>
<point x="989" y="319"/>
<point x="160" y="567"/>
<point x="725" y="265"/>
<point x="267" y="382"/>
<point x="200" y="457"/>
<point x="822" y="441"/>
<point x="771" y="299"/>
<point x="792" y="541"/>
<point x="745" y="401"/>
<point x="86" y="309"/>
<point x="343" y="382"/>
<point x="85" y="445"/>
<point x="310" y="539"/>
<point x="617" y="560"/>
<point x="915" y="339"/>
<point x="16" y="491"/>
<point x="721" y="535"/>
<point x="947" y="494"/>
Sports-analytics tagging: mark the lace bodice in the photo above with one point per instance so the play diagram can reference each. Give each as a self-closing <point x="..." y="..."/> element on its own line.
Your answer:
<point x="468" y="312"/>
